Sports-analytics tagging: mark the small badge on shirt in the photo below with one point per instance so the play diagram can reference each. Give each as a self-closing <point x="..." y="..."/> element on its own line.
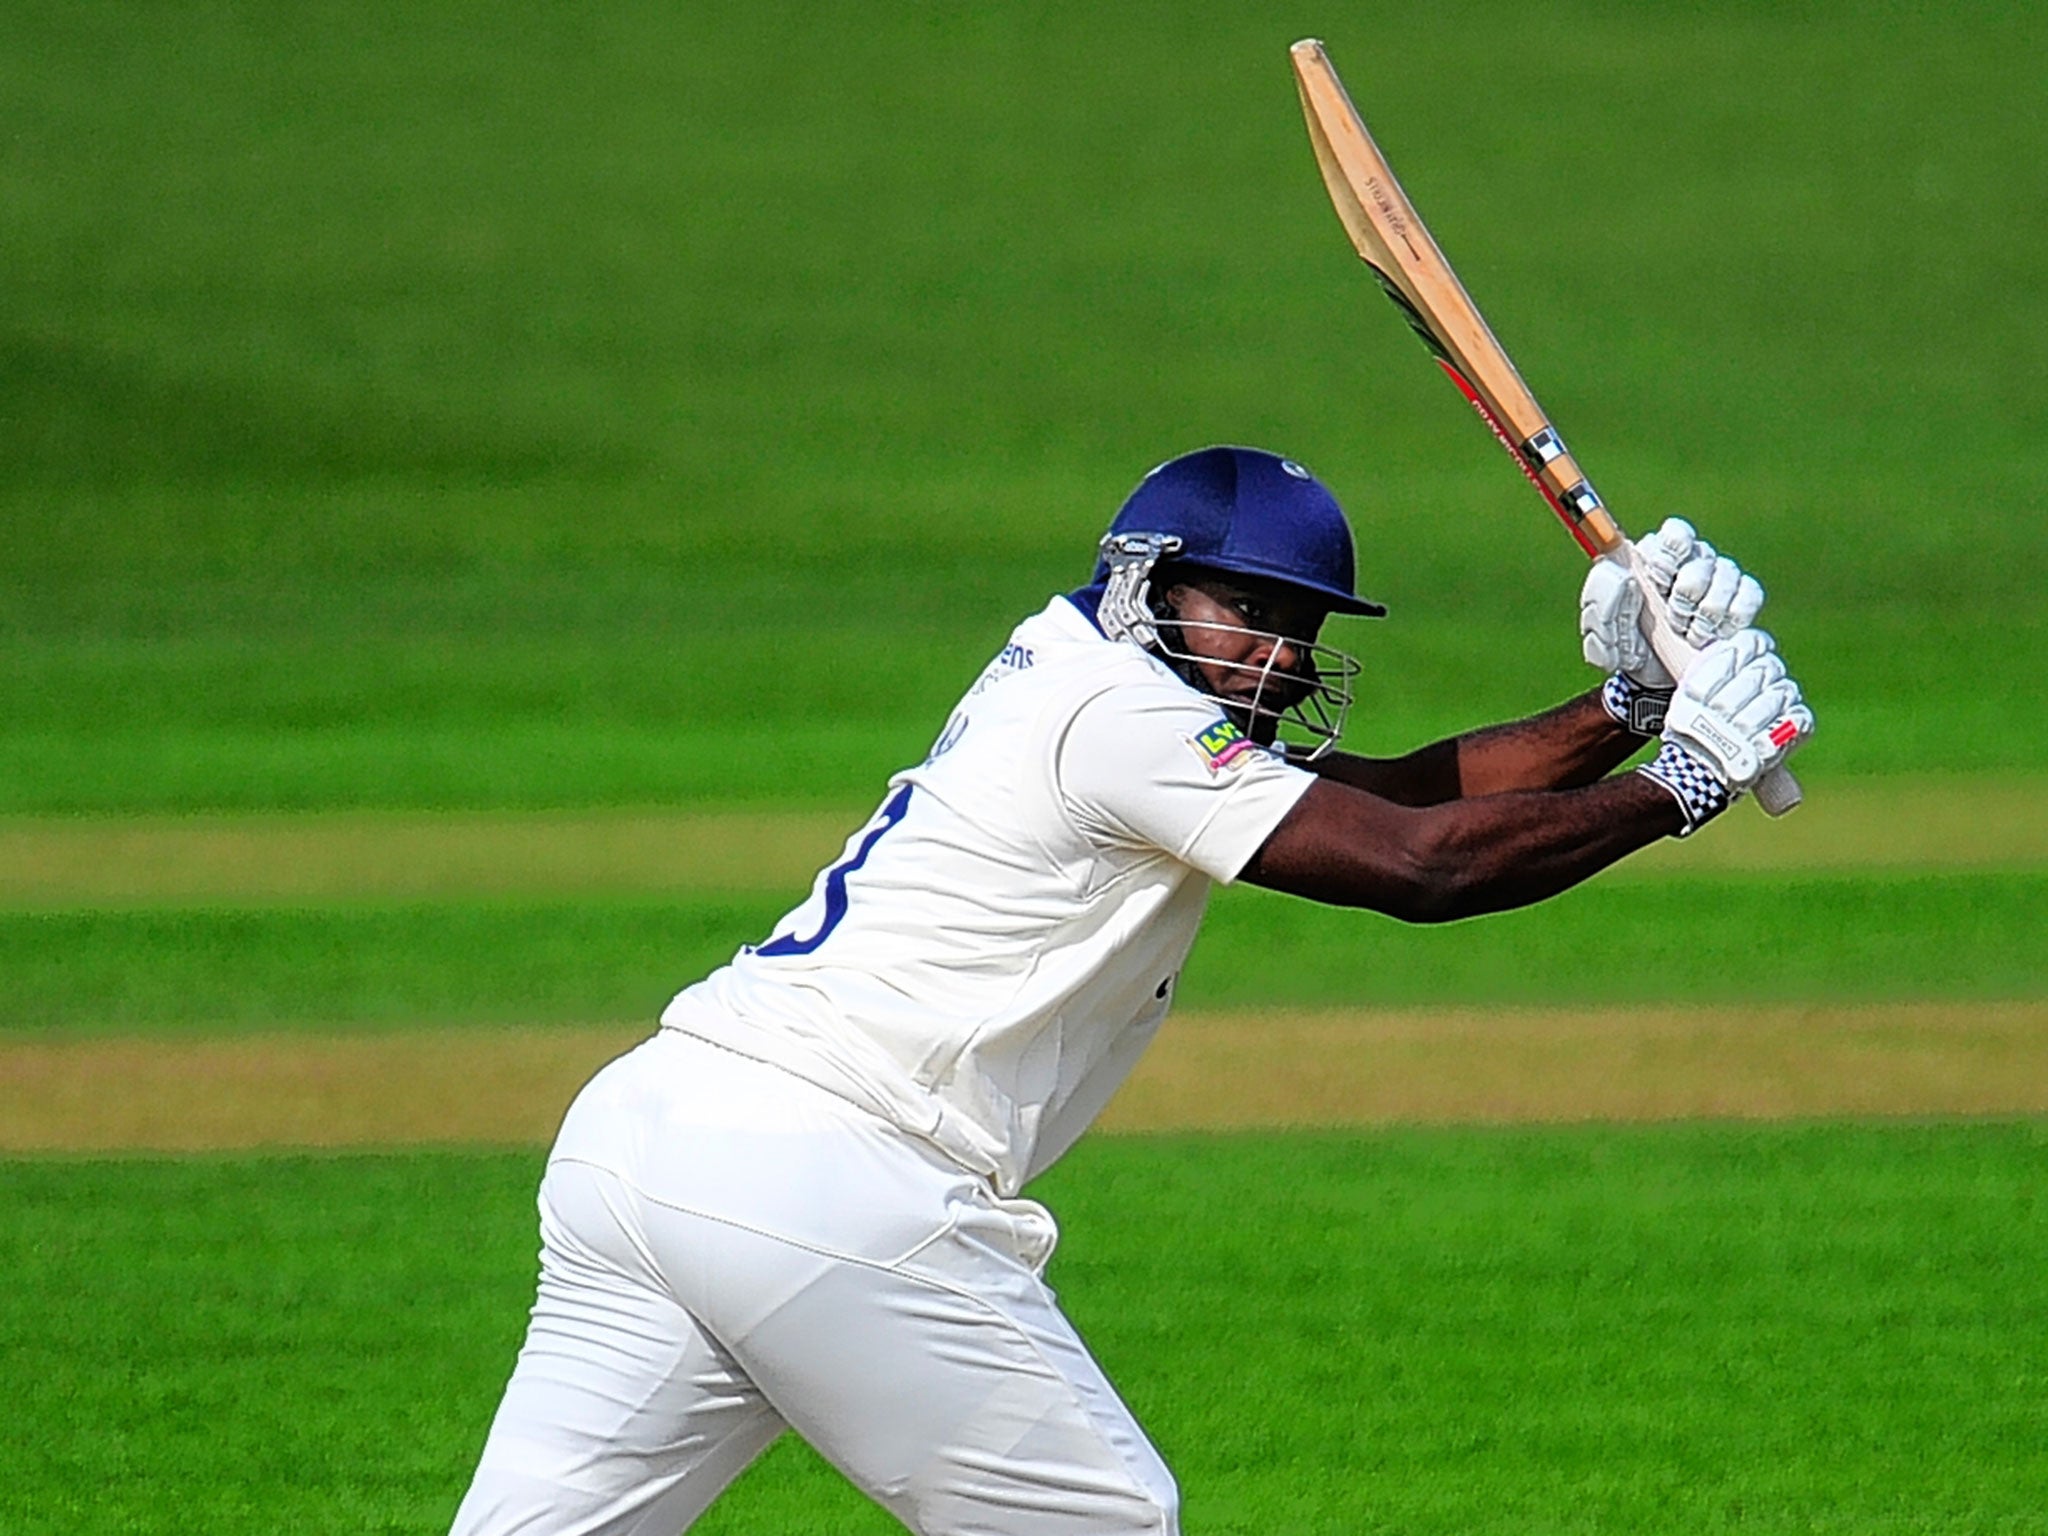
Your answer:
<point x="1221" y="745"/>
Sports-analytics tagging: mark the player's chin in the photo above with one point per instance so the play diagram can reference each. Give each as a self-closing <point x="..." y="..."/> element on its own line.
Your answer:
<point x="1262" y="724"/>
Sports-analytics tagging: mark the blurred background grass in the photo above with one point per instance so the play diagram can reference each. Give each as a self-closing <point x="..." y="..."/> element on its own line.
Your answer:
<point x="465" y="408"/>
<point x="486" y="406"/>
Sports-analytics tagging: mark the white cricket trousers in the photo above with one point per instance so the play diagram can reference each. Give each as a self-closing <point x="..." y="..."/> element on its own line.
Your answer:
<point x="727" y="1251"/>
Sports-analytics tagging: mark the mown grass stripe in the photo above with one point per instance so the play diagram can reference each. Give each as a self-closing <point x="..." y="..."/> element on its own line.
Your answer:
<point x="249" y="860"/>
<point x="1718" y="939"/>
<point x="1931" y="822"/>
<point x="1237" y="1070"/>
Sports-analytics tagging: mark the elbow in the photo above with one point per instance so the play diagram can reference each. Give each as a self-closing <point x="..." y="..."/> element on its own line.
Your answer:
<point x="1434" y="903"/>
<point x="1441" y="879"/>
<point x="1431" y="891"/>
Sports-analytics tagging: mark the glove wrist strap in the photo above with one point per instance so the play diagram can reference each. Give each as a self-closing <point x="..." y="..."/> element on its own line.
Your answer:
<point x="1700" y="794"/>
<point x="1632" y="706"/>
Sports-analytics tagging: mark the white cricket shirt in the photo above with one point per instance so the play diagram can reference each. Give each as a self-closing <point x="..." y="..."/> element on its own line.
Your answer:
<point x="992" y="952"/>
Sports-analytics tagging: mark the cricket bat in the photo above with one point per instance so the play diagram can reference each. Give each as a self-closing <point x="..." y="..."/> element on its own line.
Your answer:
<point x="1393" y="243"/>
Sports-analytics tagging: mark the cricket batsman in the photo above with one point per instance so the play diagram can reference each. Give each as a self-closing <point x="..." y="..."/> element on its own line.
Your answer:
<point x="799" y="1204"/>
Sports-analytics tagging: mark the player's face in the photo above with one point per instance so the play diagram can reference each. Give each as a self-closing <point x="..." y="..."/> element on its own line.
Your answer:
<point x="1250" y="641"/>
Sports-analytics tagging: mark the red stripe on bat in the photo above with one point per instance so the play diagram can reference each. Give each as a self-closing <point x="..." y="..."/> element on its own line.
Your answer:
<point x="1515" y="452"/>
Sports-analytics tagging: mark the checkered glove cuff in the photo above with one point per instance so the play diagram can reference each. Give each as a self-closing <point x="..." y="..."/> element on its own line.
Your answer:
<point x="1633" y="706"/>
<point x="1700" y="795"/>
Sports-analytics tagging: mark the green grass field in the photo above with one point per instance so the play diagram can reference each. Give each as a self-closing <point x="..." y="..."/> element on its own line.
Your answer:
<point x="1814" y="1329"/>
<point x="431" y="435"/>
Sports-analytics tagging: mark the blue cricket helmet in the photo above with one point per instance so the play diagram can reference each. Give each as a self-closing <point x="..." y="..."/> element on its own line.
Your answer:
<point x="1250" y="513"/>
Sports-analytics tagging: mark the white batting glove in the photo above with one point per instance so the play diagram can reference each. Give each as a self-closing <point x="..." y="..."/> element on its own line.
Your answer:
<point x="1710" y="596"/>
<point x="1735" y="716"/>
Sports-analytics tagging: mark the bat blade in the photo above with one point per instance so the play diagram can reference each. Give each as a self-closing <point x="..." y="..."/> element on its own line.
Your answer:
<point x="1392" y="240"/>
<point x="1411" y="269"/>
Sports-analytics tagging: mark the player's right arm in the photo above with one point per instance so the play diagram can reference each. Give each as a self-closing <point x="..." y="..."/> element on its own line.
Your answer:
<point x="1434" y="863"/>
<point x="1735" y="717"/>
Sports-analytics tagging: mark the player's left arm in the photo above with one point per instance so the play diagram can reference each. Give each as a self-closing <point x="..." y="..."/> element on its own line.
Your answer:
<point x="1575" y="743"/>
<point x="1586" y="738"/>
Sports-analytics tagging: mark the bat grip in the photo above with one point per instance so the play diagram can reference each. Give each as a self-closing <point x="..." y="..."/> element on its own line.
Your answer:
<point x="1777" y="792"/>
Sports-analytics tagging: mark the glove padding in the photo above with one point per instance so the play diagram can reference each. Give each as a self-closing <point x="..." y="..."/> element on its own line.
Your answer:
<point x="1737" y="711"/>
<point x="1710" y="596"/>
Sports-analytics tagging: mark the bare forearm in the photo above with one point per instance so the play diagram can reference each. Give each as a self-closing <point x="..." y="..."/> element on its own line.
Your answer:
<point x="1492" y="853"/>
<point x="1425" y="777"/>
<point x="1573" y="744"/>
<point x="1562" y="748"/>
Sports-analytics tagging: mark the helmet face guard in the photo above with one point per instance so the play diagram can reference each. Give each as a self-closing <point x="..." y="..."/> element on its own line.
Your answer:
<point x="1308" y="702"/>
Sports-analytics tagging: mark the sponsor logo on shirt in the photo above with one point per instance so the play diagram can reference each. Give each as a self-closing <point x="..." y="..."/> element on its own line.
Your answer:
<point x="1014" y="658"/>
<point x="1221" y="744"/>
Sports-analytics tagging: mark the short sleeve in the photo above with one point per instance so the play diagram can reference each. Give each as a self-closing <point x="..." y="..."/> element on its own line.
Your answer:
<point x="1156" y="765"/>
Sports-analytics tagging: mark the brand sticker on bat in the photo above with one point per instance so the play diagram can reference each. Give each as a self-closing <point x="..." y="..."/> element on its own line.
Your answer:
<point x="1390" y="210"/>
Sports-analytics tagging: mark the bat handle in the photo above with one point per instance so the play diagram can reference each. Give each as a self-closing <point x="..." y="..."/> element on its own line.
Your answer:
<point x="1777" y="791"/>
